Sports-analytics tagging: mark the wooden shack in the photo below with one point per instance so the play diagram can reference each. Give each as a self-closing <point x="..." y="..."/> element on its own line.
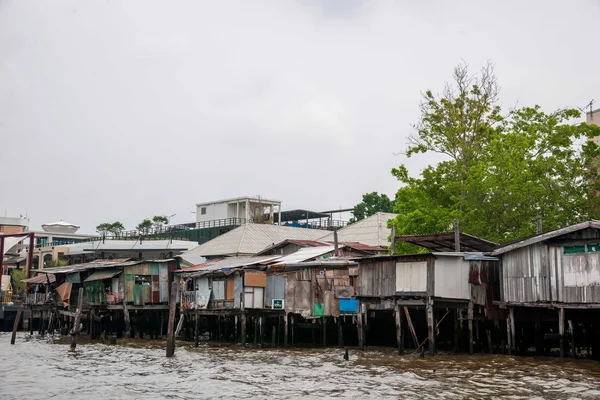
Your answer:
<point x="425" y="296"/>
<point x="551" y="287"/>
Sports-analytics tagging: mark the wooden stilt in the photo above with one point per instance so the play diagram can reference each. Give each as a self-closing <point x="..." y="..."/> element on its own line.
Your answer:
<point x="513" y="324"/>
<point x="508" y="333"/>
<point x="361" y="330"/>
<point x="430" y="326"/>
<point x="31" y="321"/>
<point x="470" y="318"/>
<point x="76" y="328"/>
<point x="273" y="336"/>
<point x="411" y="327"/>
<point x="456" y="331"/>
<point x="340" y="332"/>
<point x="127" y="320"/>
<point x="261" y="327"/>
<point x="196" y="329"/>
<point x="324" y="327"/>
<point x="293" y="330"/>
<point x="285" y="330"/>
<point x="477" y="337"/>
<point x="243" y="327"/>
<point x="399" y="338"/>
<point x="171" y="322"/>
<point x="538" y="334"/>
<point x="255" y="337"/>
<point x="488" y="334"/>
<point x="16" y="326"/>
<point x="572" y="338"/>
<point x="312" y="332"/>
<point x="235" y="329"/>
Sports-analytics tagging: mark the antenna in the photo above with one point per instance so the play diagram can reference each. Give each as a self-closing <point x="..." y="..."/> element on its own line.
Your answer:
<point x="589" y="105"/>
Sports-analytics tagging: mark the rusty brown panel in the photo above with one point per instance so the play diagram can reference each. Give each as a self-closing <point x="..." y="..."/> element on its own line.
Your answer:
<point x="255" y="279"/>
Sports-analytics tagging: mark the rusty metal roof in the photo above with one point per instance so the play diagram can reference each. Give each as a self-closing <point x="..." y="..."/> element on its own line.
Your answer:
<point x="97" y="264"/>
<point x="40" y="278"/>
<point x="444" y="242"/>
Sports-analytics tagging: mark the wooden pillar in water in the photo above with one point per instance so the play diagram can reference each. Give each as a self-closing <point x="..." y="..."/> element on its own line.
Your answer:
<point x="470" y="321"/>
<point x="456" y="330"/>
<point x="324" y="326"/>
<point x="235" y="329"/>
<point x="561" y="330"/>
<point x="243" y="327"/>
<point x="261" y="326"/>
<point x="16" y="326"/>
<point x="508" y="333"/>
<point x="77" y="320"/>
<point x="31" y="321"/>
<point x="399" y="338"/>
<point x="285" y="329"/>
<point x="255" y="323"/>
<point x="488" y="334"/>
<point x="572" y="338"/>
<point x="293" y="330"/>
<point x="273" y="336"/>
<point x="171" y="322"/>
<point x="340" y="332"/>
<point x="196" y="328"/>
<point x="430" y="326"/>
<point x="361" y="329"/>
<point x="127" y="332"/>
<point x="513" y="324"/>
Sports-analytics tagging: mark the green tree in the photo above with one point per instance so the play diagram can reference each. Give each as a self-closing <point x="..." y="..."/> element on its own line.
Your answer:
<point x="18" y="285"/>
<point x="144" y="226"/>
<point x="116" y="228"/>
<point x="159" y="221"/>
<point x="499" y="171"/>
<point x="103" y="228"/>
<point x="371" y="204"/>
<point x="59" y="262"/>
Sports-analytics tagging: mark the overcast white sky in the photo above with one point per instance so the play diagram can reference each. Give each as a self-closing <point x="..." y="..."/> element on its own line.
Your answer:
<point x="120" y="110"/>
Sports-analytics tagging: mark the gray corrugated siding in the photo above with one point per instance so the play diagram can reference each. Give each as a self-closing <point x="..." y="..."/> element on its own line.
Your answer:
<point x="377" y="278"/>
<point x="275" y="289"/>
<point x="542" y="273"/>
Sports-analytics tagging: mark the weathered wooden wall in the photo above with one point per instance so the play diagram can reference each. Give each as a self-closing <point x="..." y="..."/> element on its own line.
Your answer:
<point x="377" y="277"/>
<point x="451" y="277"/>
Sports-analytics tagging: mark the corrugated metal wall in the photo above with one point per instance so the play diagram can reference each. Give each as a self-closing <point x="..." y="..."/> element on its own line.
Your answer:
<point x="451" y="277"/>
<point x="275" y="289"/>
<point x="526" y="274"/>
<point x="411" y="276"/>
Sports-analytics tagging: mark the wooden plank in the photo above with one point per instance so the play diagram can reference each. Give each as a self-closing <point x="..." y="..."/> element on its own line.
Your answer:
<point x="470" y="319"/>
<point x="399" y="338"/>
<point x="76" y="327"/>
<point x="171" y="322"/>
<point x="15" y="326"/>
<point x="561" y="330"/>
<point x="411" y="327"/>
<point x="430" y="326"/>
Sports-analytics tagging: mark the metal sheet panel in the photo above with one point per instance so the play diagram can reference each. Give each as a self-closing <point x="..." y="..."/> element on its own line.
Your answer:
<point x="129" y="293"/>
<point x="237" y="290"/>
<point x="218" y="289"/>
<point x="275" y="289"/>
<point x="451" y="277"/>
<point x="298" y="296"/>
<point x="153" y="268"/>
<point x="411" y="276"/>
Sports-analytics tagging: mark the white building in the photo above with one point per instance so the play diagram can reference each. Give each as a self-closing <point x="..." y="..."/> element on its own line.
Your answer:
<point x="251" y="209"/>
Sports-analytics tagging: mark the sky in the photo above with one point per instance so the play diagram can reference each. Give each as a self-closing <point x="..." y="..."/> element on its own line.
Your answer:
<point x="124" y="110"/>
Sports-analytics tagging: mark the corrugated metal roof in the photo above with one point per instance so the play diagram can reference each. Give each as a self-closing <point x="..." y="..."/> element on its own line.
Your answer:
<point x="83" y="267"/>
<point x="372" y="231"/>
<point x="104" y="274"/>
<point x="250" y="239"/>
<point x="445" y="242"/>
<point x="131" y="245"/>
<point x="304" y="254"/>
<point x="40" y="278"/>
<point x="228" y="264"/>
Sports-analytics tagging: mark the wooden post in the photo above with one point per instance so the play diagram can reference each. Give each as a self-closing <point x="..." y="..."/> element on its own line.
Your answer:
<point x="77" y="320"/>
<point x="393" y="239"/>
<point x="196" y="329"/>
<point x="273" y="335"/>
<point x="430" y="326"/>
<point x="31" y="321"/>
<point x="162" y="323"/>
<point x="324" y="326"/>
<point x="411" y="327"/>
<point x="127" y="320"/>
<point x="456" y="331"/>
<point x="489" y="341"/>
<point x="572" y="338"/>
<point x="513" y="324"/>
<point x="235" y="329"/>
<point x="261" y="323"/>
<point x="255" y="338"/>
<point x="312" y="332"/>
<point x="293" y="330"/>
<point x="15" y="326"/>
<point x="477" y="337"/>
<point x="243" y="322"/>
<point x="340" y="332"/>
<point x="470" y="319"/>
<point x="539" y="225"/>
<point x="538" y="334"/>
<point x="456" y="235"/>
<point x="508" y="333"/>
<point x="399" y="338"/>
<point x="361" y="329"/>
<point x="285" y="329"/>
<point x="171" y="322"/>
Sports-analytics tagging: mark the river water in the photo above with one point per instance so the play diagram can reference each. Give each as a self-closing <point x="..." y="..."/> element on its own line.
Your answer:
<point x="37" y="368"/>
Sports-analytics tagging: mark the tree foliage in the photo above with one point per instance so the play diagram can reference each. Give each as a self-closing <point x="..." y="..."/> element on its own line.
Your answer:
<point x="144" y="226"/>
<point x="18" y="285"/>
<point x="59" y="262"/>
<point x="159" y="221"/>
<point x="371" y="204"/>
<point x="115" y="228"/>
<point x="500" y="171"/>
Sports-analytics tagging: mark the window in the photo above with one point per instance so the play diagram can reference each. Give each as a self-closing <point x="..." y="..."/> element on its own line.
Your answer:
<point x="304" y="274"/>
<point x="573" y="249"/>
<point x="203" y="211"/>
<point x="592" y="248"/>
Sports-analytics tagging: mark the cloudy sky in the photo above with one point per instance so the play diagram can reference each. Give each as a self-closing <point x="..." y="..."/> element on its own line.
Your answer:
<point x="123" y="110"/>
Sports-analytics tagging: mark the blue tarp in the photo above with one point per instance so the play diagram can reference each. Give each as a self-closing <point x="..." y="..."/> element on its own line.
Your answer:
<point x="348" y="305"/>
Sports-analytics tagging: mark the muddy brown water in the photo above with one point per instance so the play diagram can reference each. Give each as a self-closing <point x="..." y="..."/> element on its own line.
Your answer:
<point x="37" y="368"/>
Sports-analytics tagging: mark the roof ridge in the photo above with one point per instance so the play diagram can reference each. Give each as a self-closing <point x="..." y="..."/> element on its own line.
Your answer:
<point x="242" y="238"/>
